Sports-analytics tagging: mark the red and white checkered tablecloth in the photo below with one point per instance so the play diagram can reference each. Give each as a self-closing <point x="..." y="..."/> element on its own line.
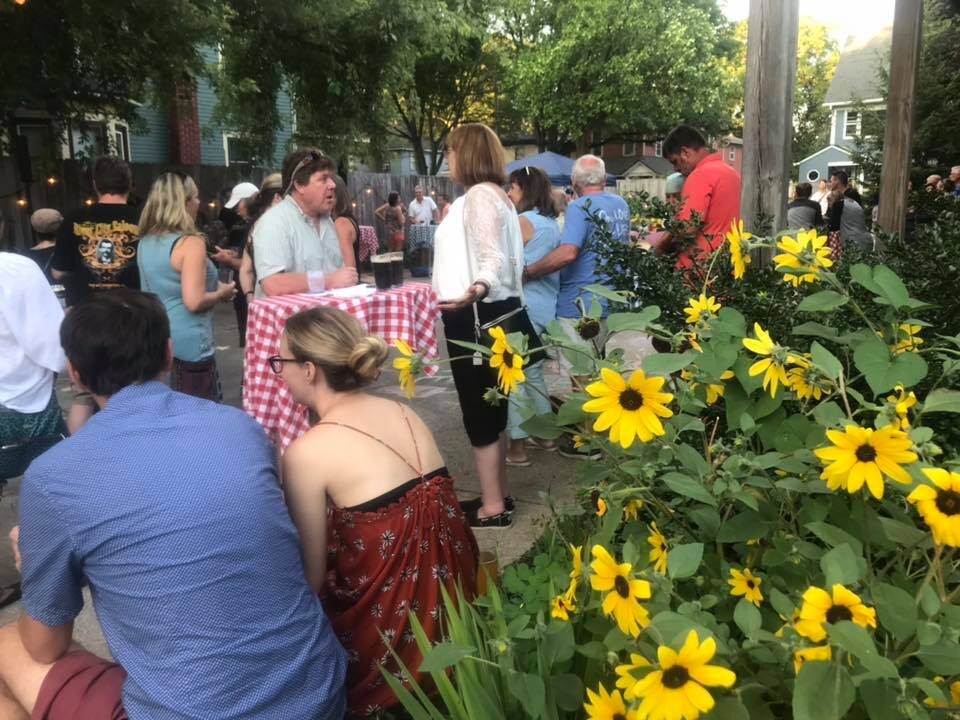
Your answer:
<point x="408" y="312"/>
<point x="369" y="244"/>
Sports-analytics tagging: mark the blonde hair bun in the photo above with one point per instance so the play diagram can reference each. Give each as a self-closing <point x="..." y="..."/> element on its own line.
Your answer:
<point x="366" y="358"/>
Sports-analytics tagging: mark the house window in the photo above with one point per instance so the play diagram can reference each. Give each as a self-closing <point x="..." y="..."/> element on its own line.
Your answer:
<point x="121" y="141"/>
<point x="853" y="125"/>
<point x="237" y="152"/>
<point x="658" y="148"/>
<point x="629" y="149"/>
<point x="732" y="155"/>
<point x="595" y="147"/>
<point x="89" y="139"/>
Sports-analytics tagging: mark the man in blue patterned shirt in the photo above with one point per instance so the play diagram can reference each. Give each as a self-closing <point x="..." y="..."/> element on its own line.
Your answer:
<point x="192" y="560"/>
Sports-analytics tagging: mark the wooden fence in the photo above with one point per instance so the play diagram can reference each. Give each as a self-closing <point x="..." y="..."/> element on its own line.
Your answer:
<point x="71" y="187"/>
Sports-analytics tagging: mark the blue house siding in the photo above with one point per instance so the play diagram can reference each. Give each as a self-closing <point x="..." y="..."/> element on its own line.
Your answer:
<point x="151" y="143"/>
<point x="284" y="136"/>
<point x="822" y="163"/>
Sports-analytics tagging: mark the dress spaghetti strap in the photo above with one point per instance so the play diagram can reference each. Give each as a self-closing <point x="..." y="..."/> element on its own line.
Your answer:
<point x="413" y="437"/>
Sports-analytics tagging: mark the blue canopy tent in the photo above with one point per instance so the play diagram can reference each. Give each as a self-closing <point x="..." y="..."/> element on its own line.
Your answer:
<point x="557" y="167"/>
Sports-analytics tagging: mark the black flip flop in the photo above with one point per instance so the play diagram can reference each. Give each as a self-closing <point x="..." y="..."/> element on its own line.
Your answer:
<point x="9" y="594"/>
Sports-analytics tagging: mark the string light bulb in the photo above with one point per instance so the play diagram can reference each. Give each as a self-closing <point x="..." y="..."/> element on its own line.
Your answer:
<point x="52" y="180"/>
<point x="211" y="204"/>
<point x="88" y="202"/>
<point x="19" y="2"/>
<point x="21" y="202"/>
<point x="369" y="190"/>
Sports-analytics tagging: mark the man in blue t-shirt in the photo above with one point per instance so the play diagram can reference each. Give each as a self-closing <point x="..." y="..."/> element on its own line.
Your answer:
<point x="184" y="539"/>
<point x="577" y="265"/>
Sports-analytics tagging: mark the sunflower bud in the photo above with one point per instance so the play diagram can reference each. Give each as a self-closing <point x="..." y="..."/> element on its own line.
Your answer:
<point x="588" y="328"/>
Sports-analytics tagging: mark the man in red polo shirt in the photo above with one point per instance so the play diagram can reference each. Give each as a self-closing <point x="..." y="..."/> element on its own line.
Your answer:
<point x="711" y="189"/>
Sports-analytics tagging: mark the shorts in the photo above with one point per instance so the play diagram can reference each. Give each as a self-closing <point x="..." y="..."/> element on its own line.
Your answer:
<point x="25" y="436"/>
<point x="200" y="379"/>
<point x="81" y="686"/>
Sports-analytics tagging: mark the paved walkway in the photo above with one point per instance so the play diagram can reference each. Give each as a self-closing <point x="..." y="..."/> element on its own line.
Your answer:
<point x="436" y="402"/>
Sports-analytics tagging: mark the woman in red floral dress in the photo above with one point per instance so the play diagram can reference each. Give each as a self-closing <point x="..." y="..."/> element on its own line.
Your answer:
<point x="374" y="504"/>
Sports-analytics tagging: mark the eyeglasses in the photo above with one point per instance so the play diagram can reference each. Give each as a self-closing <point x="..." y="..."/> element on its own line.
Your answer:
<point x="310" y="157"/>
<point x="276" y="363"/>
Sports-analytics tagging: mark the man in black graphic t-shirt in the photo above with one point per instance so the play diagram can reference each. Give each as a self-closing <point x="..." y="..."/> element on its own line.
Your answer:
<point x="97" y="245"/>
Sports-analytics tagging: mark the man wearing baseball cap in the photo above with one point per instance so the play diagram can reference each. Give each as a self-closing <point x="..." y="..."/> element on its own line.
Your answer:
<point x="242" y="191"/>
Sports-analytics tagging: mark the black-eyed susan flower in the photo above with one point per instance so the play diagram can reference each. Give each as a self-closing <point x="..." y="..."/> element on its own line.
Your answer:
<point x="701" y="308"/>
<point x="821" y="608"/>
<point x="631" y="511"/>
<point x="602" y="706"/>
<point x="746" y="584"/>
<point x="714" y="391"/>
<point x="658" y="551"/>
<point x="863" y="455"/>
<point x="773" y="365"/>
<point x="601" y="507"/>
<point x="806" y="380"/>
<point x="507" y="361"/>
<point x="908" y="338"/>
<point x="565" y="604"/>
<point x="677" y="689"/>
<point x="739" y="250"/>
<point x="623" y="592"/>
<point x="629" y="408"/>
<point x="901" y="403"/>
<point x="803" y="257"/>
<point x="625" y="673"/>
<point x="409" y="366"/>
<point x="939" y="506"/>
<point x="954" y="694"/>
<point x="819" y="653"/>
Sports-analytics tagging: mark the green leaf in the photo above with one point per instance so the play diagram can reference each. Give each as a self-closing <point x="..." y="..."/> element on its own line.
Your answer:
<point x="473" y="347"/>
<point x="729" y="708"/>
<point x="883" y="372"/>
<point x="896" y="609"/>
<point x="829" y="414"/>
<point x="826" y="361"/>
<point x="674" y="628"/>
<point x="863" y="275"/>
<point x="612" y="295"/>
<point x="928" y="633"/>
<point x="530" y="691"/>
<point x="558" y="643"/>
<point x="688" y="487"/>
<point x="901" y="533"/>
<point x="891" y="287"/>
<point x="857" y="641"/>
<point x="823" y="691"/>
<point x="841" y="566"/>
<point x="781" y="603"/>
<point x="834" y="536"/>
<point x="568" y="691"/>
<point x="684" y="560"/>
<point x="929" y="601"/>
<point x="571" y="412"/>
<point x="823" y="301"/>
<point x="443" y="655"/>
<point x="666" y="363"/>
<point x="637" y="321"/>
<point x="542" y="426"/>
<point x="942" y="658"/>
<point x="747" y="617"/>
<point x="748" y="525"/>
<point x="942" y="401"/>
<point x="881" y="699"/>
<point x="816" y="330"/>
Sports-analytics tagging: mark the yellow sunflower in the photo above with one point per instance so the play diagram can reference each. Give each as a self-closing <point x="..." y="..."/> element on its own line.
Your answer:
<point x="820" y="608"/>
<point x="624" y="592"/>
<point x="507" y="361"/>
<point x="700" y="307"/>
<point x="806" y="380"/>
<point x="625" y="677"/>
<point x="409" y="367"/>
<point x="629" y="408"/>
<point x="773" y="365"/>
<point x="631" y="511"/>
<point x="601" y="507"/>
<point x="714" y="390"/>
<point x="676" y="690"/>
<point x="565" y="604"/>
<point x="576" y="555"/>
<point x="811" y="654"/>
<point x="908" y="338"/>
<point x="954" y="694"/>
<point x="694" y="341"/>
<point x="805" y="256"/>
<point x="940" y="506"/>
<point x="747" y="584"/>
<point x="739" y="250"/>
<point x="902" y="402"/>
<point x="658" y="555"/>
<point x="863" y="455"/>
<point x="607" y="707"/>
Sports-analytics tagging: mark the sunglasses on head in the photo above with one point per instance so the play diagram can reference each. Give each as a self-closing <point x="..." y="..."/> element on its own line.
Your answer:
<point x="310" y="157"/>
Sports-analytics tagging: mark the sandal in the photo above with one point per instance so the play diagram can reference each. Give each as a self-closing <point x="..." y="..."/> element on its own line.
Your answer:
<point x="525" y="462"/>
<point x="545" y="445"/>
<point x="9" y="594"/>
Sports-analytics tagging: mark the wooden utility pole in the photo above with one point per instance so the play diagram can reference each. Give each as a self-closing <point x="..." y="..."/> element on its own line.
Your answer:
<point x="768" y="111"/>
<point x="898" y="138"/>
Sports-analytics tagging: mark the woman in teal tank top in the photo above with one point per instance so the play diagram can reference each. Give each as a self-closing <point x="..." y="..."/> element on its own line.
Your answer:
<point x="173" y="264"/>
<point x="532" y="196"/>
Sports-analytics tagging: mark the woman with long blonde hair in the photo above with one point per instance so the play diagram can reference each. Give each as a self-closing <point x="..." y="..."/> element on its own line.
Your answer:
<point x="173" y="264"/>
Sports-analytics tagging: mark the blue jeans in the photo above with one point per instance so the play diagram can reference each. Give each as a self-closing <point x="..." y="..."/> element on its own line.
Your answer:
<point x="529" y="399"/>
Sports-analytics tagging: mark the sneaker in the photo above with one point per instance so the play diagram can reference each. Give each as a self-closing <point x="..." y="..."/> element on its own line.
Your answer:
<point x="569" y="449"/>
<point x="494" y="522"/>
<point x="471" y="506"/>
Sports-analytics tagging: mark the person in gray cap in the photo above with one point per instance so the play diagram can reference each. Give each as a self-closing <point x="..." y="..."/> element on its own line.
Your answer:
<point x="45" y="223"/>
<point x="673" y="188"/>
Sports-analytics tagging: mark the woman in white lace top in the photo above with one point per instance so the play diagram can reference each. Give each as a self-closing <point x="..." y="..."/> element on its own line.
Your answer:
<point x="478" y="261"/>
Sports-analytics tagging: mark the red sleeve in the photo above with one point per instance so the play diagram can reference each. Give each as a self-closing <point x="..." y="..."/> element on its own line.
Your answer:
<point x="696" y="193"/>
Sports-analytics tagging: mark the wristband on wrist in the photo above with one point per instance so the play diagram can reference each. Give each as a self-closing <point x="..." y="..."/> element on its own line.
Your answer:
<point x="316" y="281"/>
<point x="486" y="289"/>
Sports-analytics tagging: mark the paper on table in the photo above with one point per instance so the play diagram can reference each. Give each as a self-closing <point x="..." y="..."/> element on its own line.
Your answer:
<point x="352" y="292"/>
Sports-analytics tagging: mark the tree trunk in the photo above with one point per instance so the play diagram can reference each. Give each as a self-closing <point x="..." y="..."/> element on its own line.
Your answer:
<point x="419" y="157"/>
